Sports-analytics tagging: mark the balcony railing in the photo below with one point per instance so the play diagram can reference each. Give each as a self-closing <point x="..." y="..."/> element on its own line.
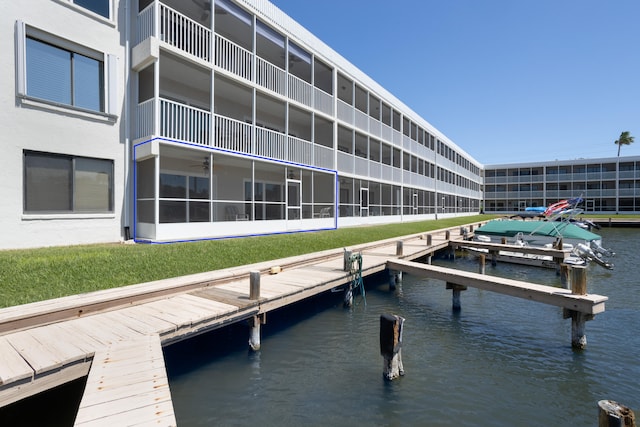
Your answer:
<point x="300" y="91"/>
<point x="184" y="123"/>
<point x="184" y="33"/>
<point x="270" y="76"/>
<point x="174" y="121"/>
<point x="323" y="101"/>
<point x="174" y="28"/>
<point x="233" y="58"/>
<point x="232" y="135"/>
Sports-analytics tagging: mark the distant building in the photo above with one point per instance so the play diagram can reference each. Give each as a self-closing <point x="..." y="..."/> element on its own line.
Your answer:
<point x="607" y="185"/>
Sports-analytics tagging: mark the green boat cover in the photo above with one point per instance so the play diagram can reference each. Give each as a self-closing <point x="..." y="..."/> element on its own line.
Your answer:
<point x="509" y="228"/>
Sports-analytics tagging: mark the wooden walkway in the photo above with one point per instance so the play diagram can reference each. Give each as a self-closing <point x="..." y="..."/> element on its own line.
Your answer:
<point x="115" y="337"/>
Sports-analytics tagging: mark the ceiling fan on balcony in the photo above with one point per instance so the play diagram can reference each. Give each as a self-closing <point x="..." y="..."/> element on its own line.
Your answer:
<point x="205" y="165"/>
<point x="205" y="5"/>
<point x="293" y="59"/>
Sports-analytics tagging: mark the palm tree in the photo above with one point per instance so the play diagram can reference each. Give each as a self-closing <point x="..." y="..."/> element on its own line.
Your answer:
<point x="625" y="139"/>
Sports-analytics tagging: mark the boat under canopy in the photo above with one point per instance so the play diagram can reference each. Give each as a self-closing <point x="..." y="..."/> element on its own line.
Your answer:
<point x="548" y="229"/>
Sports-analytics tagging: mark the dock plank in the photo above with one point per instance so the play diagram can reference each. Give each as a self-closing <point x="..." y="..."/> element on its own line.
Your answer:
<point x="589" y="304"/>
<point x="127" y="384"/>
<point x="37" y="354"/>
<point x="13" y="367"/>
<point x="225" y="296"/>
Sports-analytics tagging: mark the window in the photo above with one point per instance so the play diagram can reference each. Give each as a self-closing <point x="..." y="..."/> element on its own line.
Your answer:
<point x="100" y="7"/>
<point x="63" y="77"/>
<point x="59" y="72"/>
<point x="65" y="184"/>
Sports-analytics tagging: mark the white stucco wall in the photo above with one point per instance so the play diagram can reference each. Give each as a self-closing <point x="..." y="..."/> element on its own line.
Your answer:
<point x="28" y="125"/>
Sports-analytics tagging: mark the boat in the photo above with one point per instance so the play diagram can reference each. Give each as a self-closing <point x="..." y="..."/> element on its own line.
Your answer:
<point x="585" y="245"/>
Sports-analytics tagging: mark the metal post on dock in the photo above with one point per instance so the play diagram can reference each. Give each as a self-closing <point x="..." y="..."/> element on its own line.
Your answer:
<point x="456" y="302"/>
<point x="613" y="414"/>
<point x="254" y="285"/>
<point x="429" y="243"/>
<point x="391" y="345"/>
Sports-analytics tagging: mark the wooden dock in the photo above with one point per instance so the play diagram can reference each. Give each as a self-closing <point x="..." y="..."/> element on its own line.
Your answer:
<point x="114" y="337"/>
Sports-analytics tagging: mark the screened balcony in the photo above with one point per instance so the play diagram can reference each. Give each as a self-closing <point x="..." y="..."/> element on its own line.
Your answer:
<point x="177" y="28"/>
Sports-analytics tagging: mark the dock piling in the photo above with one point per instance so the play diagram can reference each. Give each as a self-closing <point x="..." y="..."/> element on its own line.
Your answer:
<point x="399" y="248"/>
<point x="494" y="258"/>
<point x="564" y="276"/>
<point x="578" y="279"/>
<point x="482" y="261"/>
<point x="457" y="289"/>
<point x="391" y="345"/>
<point x="613" y="414"/>
<point x="254" y="333"/>
<point x="395" y="277"/>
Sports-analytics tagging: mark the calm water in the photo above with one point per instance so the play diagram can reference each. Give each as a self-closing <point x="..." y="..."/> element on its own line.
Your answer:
<point x="501" y="361"/>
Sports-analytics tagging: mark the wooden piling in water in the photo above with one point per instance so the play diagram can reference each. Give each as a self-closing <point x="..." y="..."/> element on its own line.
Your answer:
<point x="613" y="414"/>
<point x="391" y="345"/>
<point x="482" y="260"/>
<point x="456" y="304"/>
<point x="395" y="277"/>
<point x="254" y="333"/>
<point x="494" y="258"/>
<point x="564" y="276"/>
<point x="578" y="319"/>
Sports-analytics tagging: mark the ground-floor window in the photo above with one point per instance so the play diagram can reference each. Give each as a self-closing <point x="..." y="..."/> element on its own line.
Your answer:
<point x="55" y="183"/>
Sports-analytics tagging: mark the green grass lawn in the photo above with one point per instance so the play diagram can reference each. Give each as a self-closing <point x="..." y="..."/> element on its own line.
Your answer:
<point x="40" y="274"/>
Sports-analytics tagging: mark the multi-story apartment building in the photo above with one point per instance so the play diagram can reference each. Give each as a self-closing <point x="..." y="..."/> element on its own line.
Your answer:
<point x="189" y="119"/>
<point x="606" y="184"/>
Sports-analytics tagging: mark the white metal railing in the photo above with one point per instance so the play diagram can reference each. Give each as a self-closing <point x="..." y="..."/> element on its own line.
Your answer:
<point x="184" y="33"/>
<point x="361" y="166"/>
<point x="184" y="123"/>
<point x="323" y="101"/>
<point x="270" y="144"/>
<point x="299" y="151"/>
<point x="270" y="76"/>
<point x="387" y="172"/>
<point x="397" y="137"/>
<point x="345" y="112"/>
<point x="145" y="23"/>
<point x="233" y="58"/>
<point x="345" y="162"/>
<point x="145" y="118"/>
<point x="300" y="91"/>
<point x="361" y="120"/>
<point x="374" y="126"/>
<point x="323" y="156"/>
<point x="232" y="135"/>
<point x="386" y="133"/>
<point x="374" y="170"/>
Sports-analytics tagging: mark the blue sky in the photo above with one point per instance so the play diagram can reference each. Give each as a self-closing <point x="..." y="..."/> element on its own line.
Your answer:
<point x="508" y="81"/>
